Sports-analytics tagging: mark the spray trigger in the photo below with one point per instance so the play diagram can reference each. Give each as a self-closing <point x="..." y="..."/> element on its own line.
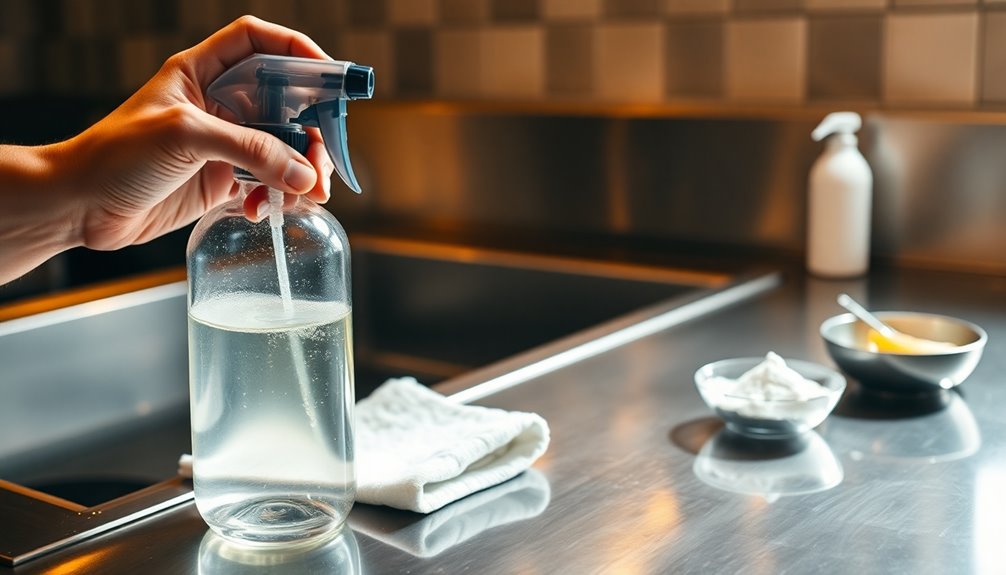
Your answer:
<point x="330" y="117"/>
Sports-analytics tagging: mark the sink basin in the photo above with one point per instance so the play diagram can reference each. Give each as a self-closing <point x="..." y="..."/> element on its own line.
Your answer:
<point x="436" y="311"/>
<point x="96" y="395"/>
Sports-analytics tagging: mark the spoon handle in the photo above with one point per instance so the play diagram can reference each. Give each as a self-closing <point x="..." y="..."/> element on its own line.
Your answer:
<point x="865" y="316"/>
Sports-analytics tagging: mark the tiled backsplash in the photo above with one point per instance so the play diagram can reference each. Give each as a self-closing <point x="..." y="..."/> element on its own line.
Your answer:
<point x="947" y="54"/>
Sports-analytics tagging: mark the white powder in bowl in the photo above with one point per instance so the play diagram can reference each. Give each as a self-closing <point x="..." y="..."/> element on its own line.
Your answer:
<point x="770" y="389"/>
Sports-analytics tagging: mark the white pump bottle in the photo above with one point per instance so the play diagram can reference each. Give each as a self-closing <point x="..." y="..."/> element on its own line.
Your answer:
<point x="839" y="203"/>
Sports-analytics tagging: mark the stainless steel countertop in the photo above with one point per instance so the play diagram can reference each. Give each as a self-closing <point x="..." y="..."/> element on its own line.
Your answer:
<point x="918" y="491"/>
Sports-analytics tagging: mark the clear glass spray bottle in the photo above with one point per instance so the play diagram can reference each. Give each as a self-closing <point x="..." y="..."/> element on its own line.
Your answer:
<point x="270" y="330"/>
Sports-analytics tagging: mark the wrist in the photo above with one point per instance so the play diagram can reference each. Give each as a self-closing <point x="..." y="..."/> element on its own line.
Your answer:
<point x="41" y="218"/>
<point x="51" y="196"/>
<point x="59" y="190"/>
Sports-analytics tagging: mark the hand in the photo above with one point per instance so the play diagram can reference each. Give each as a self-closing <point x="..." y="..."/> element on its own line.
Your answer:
<point x="165" y="156"/>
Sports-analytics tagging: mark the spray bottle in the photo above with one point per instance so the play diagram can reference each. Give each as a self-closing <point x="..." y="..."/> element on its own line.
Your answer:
<point x="839" y="203"/>
<point x="270" y="341"/>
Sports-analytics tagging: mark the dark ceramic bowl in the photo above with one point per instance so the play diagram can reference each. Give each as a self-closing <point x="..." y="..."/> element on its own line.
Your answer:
<point x="846" y="340"/>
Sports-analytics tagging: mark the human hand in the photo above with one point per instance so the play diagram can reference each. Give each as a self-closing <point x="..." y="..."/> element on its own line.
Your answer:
<point x="165" y="156"/>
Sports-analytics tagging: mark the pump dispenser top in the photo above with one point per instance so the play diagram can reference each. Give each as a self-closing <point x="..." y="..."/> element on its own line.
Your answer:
<point x="845" y="124"/>
<point x="282" y="94"/>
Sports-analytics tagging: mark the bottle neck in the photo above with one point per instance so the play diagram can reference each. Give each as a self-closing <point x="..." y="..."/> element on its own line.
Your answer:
<point x="839" y="141"/>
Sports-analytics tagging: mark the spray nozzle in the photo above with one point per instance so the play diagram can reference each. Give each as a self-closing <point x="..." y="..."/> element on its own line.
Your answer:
<point x="281" y="94"/>
<point x="837" y="123"/>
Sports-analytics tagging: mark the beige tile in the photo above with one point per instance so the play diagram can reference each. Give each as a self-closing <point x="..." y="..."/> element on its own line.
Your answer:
<point x="413" y="49"/>
<point x="514" y="11"/>
<point x="17" y="19"/>
<point x="630" y="62"/>
<point x="901" y="3"/>
<point x="101" y="68"/>
<point x="838" y="69"/>
<point x="79" y="19"/>
<point x="324" y="21"/>
<point x="569" y="53"/>
<point x="371" y="48"/>
<point x="412" y="12"/>
<point x="317" y="14"/>
<point x="846" y="4"/>
<point x="456" y="63"/>
<point x="367" y="13"/>
<point x="138" y="62"/>
<point x="749" y="6"/>
<point x="281" y="13"/>
<point x="12" y="80"/>
<point x="57" y="68"/>
<point x="571" y="9"/>
<point x="513" y="62"/>
<point x="994" y="68"/>
<point x="931" y="58"/>
<point x="464" y="11"/>
<point x="766" y="59"/>
<point x="695" y="58"/>
<point x="632" y="9"/>
<point x="678" y="7"/>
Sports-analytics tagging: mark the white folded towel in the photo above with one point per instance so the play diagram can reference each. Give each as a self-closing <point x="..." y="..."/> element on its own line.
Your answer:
<point x="520" y="498"/>
<point x="417" y="450"/>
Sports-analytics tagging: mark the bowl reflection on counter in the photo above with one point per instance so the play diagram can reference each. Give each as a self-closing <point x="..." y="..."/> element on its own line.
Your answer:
<point x="947" y="434"/>
<point x="769" y="469"/>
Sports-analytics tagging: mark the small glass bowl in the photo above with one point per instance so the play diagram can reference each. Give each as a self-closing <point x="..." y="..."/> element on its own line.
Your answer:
<point x="769" y="418"/>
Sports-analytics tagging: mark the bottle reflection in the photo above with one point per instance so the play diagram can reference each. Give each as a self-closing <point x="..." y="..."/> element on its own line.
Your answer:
<point x="338" y="555"/>
<point x="523" y="497"/>
<point x="769" y="469"/>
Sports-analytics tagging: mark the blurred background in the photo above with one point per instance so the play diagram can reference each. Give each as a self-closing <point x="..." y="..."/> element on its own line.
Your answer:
<point x="659" y="121"/>
<point x="892" y="53"/>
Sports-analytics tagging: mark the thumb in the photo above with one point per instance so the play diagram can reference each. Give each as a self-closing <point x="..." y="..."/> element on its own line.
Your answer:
<point x="268" y="158"/>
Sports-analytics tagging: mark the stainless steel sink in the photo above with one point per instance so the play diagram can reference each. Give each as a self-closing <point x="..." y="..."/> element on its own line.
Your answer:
<point x="95" y="396"/>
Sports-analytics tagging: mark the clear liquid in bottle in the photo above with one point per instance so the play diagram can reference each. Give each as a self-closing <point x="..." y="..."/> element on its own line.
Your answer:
<point x="272" y="398"/>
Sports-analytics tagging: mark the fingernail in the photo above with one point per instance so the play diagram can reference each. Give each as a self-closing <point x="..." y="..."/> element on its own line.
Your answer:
<point x="262" y="210"/>
<point x="298" y="176"/>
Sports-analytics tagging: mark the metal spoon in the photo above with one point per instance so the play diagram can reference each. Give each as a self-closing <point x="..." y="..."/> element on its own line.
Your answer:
<point x="895" y="341"/>
<point x="866" y="317"/>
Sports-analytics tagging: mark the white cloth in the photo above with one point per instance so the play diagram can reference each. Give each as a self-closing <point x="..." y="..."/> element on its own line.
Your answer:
<point x="417" y="450"/>
<point x="520" y="498"/>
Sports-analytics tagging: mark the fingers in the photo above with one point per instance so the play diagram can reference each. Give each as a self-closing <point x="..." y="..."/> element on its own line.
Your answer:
<point x="267" y="158"/>
<point x="256" y="203"/>
<point x="246" y="36"/>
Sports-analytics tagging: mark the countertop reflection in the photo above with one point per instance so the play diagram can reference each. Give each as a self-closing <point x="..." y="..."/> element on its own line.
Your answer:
<point x="768" y="468"/>
<point x="940" y="429"/>
<point x="518" y="499"/>
<point x="338" y="555"/>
